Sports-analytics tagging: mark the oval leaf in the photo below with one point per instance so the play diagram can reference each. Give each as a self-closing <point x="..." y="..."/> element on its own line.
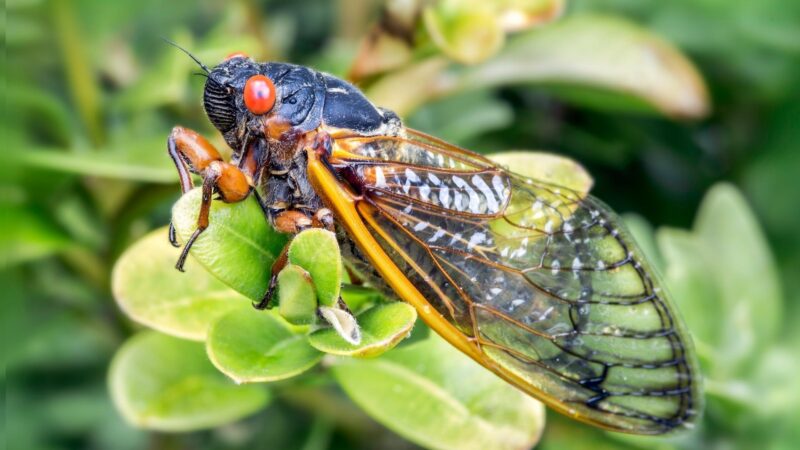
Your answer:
<point x="238" y="247"/>
<point x="689" y="274"/>
<point x="436" y="396"/>
<point x="258" y="346"/>
<point x="149" y="289"/>
<point x="317" y="251"/>
<point x="600" y="61"/>
<point x="382" y="328"/>
<point x="466" y="32"/>
<point x="137" y="162"/>
<point x="164" y="383"/>
<point x="297" y="300"/>
<point x="744" y="271"/>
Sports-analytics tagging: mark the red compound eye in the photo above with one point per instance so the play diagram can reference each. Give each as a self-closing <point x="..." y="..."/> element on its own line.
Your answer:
<point x="259" y="94"/>
<point x="236" y="55"/>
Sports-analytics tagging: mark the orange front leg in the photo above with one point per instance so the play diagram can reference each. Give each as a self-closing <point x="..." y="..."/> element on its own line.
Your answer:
<point x="192" y="153"/>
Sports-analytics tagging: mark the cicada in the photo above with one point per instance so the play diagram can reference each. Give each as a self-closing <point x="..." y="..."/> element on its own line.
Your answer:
<point x="540" y="284"/>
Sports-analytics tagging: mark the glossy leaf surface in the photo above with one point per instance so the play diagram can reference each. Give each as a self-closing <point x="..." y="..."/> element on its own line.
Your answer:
<point x="149" y="289"/>
<point x="439" y="398"/>
<point x="168" y="384"/>
<point x="258" y="346"/>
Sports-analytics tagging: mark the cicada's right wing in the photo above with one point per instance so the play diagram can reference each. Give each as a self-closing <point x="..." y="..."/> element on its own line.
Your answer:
<point x="536" y="282"/>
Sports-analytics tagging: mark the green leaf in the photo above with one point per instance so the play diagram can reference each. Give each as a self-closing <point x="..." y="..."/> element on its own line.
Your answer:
<point x="690" y="279"/>
<point x="465" y="31"/>
<point x="603" y="62"/>
<point x="776" y="390"/>
<point x="382" y="328"/>
<point x="563" y="433"/>
<point x="317" y="251"/>
<point x="770" y="392"/>
<point x="238" y="247"/>
<point x="437" y="397"/>
<point x="297" y="300"/>
<point x="745" y="271"/>
<point x="140" y="159"/>
<point x="151" y="291"/>
<point x="258" y="346"/>
<point x="547" y="167"/>
<point x="164" y="383"/>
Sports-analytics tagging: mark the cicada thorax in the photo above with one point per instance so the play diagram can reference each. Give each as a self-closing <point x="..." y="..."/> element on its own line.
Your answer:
<point x="288" y="188"/>
<point x="309" y="106"/>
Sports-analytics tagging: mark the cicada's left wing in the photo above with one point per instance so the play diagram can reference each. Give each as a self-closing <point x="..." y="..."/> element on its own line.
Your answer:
<point x="540" y="284"/>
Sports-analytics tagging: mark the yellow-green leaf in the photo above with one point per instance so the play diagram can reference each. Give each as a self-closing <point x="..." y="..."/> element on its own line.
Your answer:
<point x="382" y="328"/>
<point x="258" y="346"/>
<point x="297" y="301"/>
<point x="317" y="251"/>
<point x="149" y="289"/>
<point x="164" y="383"/>
<point x="239" y="245"/>
<point x="604" y="62"/>
<point x="437" y="397"/>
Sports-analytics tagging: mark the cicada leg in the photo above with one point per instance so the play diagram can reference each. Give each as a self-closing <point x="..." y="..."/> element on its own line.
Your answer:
<point x="292" y="222"/>
<point x="192" y="153"/>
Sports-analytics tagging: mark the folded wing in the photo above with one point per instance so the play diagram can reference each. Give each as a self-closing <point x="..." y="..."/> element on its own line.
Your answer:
<point x="544" y="280"/>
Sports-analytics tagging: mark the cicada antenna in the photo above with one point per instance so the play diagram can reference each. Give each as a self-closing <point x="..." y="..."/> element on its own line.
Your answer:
<point x="194" y="58"/>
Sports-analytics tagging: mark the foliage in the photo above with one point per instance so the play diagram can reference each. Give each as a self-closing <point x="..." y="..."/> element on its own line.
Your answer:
<point x="187" y="394"/>
<point x="91" y="94"/>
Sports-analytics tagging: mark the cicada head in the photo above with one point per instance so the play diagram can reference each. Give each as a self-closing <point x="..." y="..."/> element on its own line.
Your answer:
<point x="249" y="100"/>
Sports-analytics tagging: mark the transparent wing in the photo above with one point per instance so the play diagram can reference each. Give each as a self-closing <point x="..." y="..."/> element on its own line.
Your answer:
<point x="544" y="280"/>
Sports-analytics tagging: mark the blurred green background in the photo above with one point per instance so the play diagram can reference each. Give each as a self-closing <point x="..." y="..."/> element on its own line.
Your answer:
<point x="91" y="92"/>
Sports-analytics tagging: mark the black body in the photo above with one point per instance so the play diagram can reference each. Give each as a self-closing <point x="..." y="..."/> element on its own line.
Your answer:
<point x="305" y="97"/>
<point x="308" y="100"/>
